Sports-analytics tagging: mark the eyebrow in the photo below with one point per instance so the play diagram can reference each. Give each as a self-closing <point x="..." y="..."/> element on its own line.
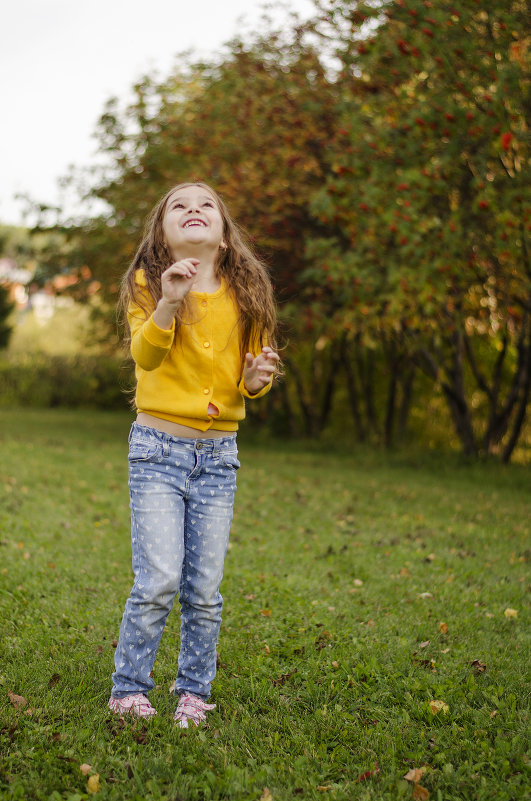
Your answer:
<point x="185" y="197"/>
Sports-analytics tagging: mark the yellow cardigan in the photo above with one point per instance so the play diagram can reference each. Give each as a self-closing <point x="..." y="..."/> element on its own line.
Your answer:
<point x="179" y="373"/>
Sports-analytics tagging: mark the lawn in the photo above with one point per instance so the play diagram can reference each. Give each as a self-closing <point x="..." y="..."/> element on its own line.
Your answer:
<point x="375" y="627"/>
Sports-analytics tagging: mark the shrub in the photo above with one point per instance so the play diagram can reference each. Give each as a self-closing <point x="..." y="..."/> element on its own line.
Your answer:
<point x="40" y="380"/>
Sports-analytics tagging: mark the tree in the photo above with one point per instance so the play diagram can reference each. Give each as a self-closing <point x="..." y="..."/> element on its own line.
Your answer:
<point x="6" y="308"/>
<point x="428" y="186"/>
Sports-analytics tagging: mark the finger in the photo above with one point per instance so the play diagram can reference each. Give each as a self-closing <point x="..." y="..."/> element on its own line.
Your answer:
<point x="249" y="361"/>
<point x="180" y="270"/>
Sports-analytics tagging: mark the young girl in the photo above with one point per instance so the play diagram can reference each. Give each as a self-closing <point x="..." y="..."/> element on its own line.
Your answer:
<point x="202" y="321"/>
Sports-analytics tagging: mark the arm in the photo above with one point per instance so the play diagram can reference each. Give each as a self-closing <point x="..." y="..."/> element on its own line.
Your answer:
<point x="152" y="339"/>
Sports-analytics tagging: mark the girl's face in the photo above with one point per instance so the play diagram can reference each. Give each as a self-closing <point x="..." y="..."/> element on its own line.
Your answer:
<point x="192" y="221"/>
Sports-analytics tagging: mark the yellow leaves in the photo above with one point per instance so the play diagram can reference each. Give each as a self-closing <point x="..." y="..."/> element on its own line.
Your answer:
<point x="93" y="784"/>
<point x="439" y="706"/>
<point x="266" y="795"/>
<point x="266" y="612"/>
<point x="511" y="613"/>
<point x="443" y="628"/>
<point x="420" y="793"/>
<point x="415" y="775"/>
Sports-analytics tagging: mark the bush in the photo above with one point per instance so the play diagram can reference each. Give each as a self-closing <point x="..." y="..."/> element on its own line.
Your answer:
<point x="40" y="380"/>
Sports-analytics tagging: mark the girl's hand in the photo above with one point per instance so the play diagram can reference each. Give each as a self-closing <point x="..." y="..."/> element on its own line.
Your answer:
<point x="258" y="372"/>
<point x="176" y="282"/>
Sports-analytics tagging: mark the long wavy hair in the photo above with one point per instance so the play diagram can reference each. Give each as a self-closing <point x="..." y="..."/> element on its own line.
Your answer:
<point x="246" y="275"/>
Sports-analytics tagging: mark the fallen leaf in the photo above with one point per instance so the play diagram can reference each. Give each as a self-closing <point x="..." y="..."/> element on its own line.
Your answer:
<point x="420" y="793"/>
<point x="93" y="784"/>
<point x="415" y="775"/>
<point x="323" y="788"/>
<point x="511" y="613"/>
<point x="425" y="595"/>
<point x="443" y="628"/>
<point x="439" y="706"/>
<point x="55" y="679"/>
<point x="18" y="701"/>
<point x="266" y="795"/>
<point x="85" y="768"/>
<point x="358" y="583"/>
<point x="368" y="773"/>
<point x="266" y="612"/>
<point x="424" y="644"/>
<point x="266" y="649"/>
<point x="284" y="678"/>
<point x="494" y="713"/>
<point x="171" y="688"/>
<point x="479" y="667"/>
<point x="250" y="597"/>
<point x="426" y="663"/>
<point x="140" y="735"/>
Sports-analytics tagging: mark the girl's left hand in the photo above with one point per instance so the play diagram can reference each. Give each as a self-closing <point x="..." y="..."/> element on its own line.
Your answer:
<point x="258" y="372"/>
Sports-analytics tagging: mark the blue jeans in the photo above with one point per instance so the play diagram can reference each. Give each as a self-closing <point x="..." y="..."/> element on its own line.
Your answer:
<point x="182" y="495"/>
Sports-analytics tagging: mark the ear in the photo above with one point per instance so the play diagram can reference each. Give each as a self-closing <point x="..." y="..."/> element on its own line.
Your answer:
<point x="223" y="245"/>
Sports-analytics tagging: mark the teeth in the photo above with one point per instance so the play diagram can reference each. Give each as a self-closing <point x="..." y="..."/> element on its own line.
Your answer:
<point x="193" y="222"/>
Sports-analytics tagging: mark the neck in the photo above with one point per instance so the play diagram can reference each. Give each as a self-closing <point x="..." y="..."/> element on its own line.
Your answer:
<point x="206" y="279"/>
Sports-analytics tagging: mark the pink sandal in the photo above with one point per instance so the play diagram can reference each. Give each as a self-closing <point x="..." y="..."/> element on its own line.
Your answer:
<point x="137" y="704"/>
<point x="191" y="709"/>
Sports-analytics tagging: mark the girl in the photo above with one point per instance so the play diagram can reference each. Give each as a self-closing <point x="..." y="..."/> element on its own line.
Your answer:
<point x="202" y="321"/>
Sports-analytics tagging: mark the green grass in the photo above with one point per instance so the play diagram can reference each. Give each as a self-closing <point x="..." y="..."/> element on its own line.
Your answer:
<point x="330" y="651"/>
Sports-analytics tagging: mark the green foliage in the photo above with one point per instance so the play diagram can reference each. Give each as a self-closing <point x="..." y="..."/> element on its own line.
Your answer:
<point x="330" y="650"/>
<point x="428" y="196"/>
<point x="6" y="309"/>
<point x="377" y="156"/>
<point x="41" y="380"/>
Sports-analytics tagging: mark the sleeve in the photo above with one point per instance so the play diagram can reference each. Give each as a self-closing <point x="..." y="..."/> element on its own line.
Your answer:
<point x="255" y="347"/>
<point x="149" y="343"/>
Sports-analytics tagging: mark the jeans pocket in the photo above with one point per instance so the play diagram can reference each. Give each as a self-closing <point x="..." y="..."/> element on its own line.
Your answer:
<point x="230" y="460"/>
<point x="145" y="451"/>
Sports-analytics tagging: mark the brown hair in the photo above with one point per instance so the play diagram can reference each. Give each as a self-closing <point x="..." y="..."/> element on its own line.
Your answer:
<point x="246" y="275"/>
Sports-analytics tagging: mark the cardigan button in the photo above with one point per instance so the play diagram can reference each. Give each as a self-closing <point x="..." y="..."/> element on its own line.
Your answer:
<point x="206" y="392"/>
<point x="206" y="344"/>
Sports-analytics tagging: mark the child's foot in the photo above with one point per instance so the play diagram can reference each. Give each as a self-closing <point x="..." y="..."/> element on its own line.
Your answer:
<point x="191" y="709"/>
<point x="137" y="704"/>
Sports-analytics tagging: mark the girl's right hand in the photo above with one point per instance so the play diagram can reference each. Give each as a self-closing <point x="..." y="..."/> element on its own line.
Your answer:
<point x="177" y="281"/>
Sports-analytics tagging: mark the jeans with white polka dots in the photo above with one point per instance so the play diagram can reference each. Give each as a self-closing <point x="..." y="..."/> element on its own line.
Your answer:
<point x="182" y="495"/>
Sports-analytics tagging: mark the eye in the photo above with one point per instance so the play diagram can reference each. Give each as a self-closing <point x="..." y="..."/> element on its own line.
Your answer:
<point x="178" y="205"/>
<point x="209" y="203"/>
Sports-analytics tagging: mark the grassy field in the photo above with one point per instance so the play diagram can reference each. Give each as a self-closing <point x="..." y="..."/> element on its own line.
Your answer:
<point x="360" y="590"/>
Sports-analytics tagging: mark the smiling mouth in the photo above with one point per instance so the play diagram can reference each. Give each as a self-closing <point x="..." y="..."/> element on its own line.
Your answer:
<point x="190" y="223"/>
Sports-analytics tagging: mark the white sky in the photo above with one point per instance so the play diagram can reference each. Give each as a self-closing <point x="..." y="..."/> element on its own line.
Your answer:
<point x="61" y="60"/>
